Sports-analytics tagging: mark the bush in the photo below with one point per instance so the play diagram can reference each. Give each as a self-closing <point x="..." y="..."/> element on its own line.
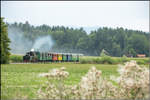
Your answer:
<point x="124" y="59"/>
<point x="112" y="60"/>
<point x="85" y="61"/>
<point x="143" y="61"/>
<point x="140" y="61"/>
<point x="107" y="60"/>
<point x="16" y="58"/>
<point x="102" y="60"/>
<point x="147" y="61"/>
<point x="97" y="61"/>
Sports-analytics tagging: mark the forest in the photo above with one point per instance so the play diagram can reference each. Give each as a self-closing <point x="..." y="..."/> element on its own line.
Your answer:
<point x="117" y="42"/>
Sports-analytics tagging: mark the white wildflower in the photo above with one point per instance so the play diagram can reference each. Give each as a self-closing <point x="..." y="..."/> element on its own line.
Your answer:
<point x="44" y="75"/>
<point x="121" y="69"/>
<point x="133" y="83"/>
<point x="129" y="82"/>
<point x="63" y="68"/>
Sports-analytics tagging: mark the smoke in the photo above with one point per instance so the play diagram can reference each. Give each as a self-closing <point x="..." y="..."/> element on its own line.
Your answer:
<point x="43" y="44"/>
<point x="20" y="44"/>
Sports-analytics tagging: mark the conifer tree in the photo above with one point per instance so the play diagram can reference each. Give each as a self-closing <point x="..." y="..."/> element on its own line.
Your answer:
<point x="4" y="43"/>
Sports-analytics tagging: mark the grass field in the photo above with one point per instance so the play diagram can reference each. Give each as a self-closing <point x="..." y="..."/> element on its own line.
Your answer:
<point x="22" y="81"/>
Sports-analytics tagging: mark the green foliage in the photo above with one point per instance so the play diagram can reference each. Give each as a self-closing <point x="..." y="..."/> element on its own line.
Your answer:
<point x="111" y="60"/>
<point x="140" y="62"/>
<point x="86" y="61"/>
<point x="102" y="60"/>
<point x="116" y="42"/>
<point x="139" y="44"/>
<point x="16" y="58"/>
<point x="124" y="59"/>
<point x="4" y="43"/>
<point x="107" y="60"/>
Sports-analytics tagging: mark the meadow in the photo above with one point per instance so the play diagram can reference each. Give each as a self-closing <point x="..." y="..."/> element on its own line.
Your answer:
<point x="23" y="81"/>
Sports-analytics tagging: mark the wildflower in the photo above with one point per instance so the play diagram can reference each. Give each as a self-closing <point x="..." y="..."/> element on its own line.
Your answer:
<point x="93" y="69"/>
<point x="133" y="83"/>
<point x="84" y="79"/>
<point x="129" y="82"/>
<point x="63" y="68"/>
<point x="121" y="69"/>
<point x="54" y="90"/>
<point x="133" y="80"/>
<point x="44" y="75"/>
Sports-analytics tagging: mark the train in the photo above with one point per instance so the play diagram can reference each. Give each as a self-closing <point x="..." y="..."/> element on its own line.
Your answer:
<point x="36" y="56"/>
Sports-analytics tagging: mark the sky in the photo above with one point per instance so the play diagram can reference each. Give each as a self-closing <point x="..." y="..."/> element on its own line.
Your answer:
<point x="127" y="14"/>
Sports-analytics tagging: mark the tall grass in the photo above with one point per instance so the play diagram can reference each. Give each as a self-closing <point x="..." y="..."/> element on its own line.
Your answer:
<point x="111" y="60"/>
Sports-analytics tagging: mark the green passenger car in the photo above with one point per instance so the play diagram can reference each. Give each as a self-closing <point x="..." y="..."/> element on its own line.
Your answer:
<point x="41" y="57"/>
<point x="45" y="57"/>
<point x="77" y="58"/>
<point x="64" y="57"/>
<point x="49" y="57"/>
<point x="74" y="58"/>
<point x="69" y="57"/>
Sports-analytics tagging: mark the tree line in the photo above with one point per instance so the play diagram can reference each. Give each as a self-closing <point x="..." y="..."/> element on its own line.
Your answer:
<point x="117" y="42"/>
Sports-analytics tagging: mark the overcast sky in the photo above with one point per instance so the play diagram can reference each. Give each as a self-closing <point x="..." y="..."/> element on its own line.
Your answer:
<point x="127" y="14"/>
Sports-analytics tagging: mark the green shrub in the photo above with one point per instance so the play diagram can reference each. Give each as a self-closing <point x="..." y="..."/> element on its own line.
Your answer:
<point x="107" y="60"/>
<point x="111" y="60"/>
<point x="146" y="61"/>
<point x="16" y="58"/>
<point x="143" y="61"/>
<point x="140" y="61"/>
<point x="86" y="61"/>
<point x="100" y="60"/>
<point x="123" y="59"/>
<point x="97" y="61"/>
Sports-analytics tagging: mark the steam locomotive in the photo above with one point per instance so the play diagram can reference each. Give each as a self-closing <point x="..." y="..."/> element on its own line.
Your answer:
<point x="36" y="56"/>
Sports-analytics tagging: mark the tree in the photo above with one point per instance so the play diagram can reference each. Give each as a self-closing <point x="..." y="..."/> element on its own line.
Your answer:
<point x="117" y="41"/>
<point x="4" y="43"/>
<point x="139" y="44"/>
<point x="116" y="50"/>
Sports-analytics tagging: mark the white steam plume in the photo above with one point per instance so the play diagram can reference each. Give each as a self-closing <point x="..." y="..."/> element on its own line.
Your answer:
<point x="19" y="44"/>
<point x="44" y="43"/>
